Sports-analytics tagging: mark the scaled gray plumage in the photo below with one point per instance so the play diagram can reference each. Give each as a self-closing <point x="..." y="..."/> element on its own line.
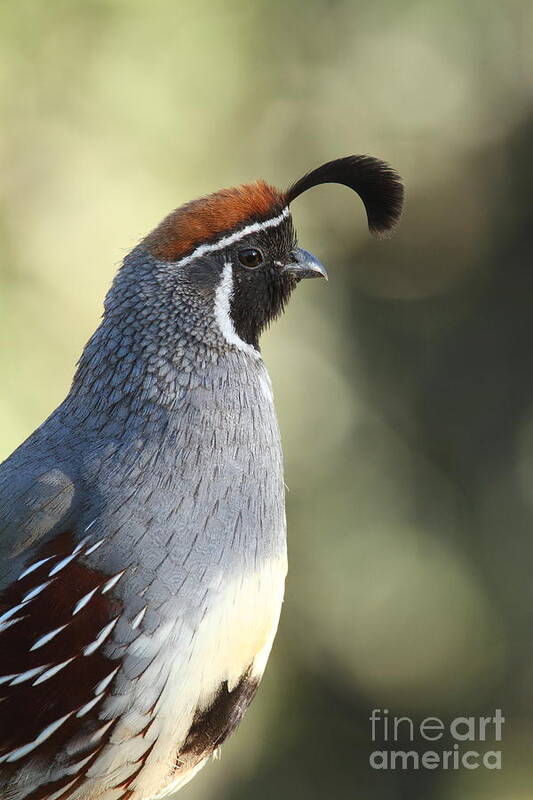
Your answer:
<point x="142" y="526"/>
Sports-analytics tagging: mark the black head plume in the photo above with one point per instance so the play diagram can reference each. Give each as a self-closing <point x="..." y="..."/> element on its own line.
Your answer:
<point x="378" y="185"/>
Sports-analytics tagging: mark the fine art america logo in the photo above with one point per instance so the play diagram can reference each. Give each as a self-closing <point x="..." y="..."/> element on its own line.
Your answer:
<point x="464" y="738"/>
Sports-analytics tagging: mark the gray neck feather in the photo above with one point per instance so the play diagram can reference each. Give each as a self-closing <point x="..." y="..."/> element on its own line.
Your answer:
<point x="164" y="410"/>
<point x="156" y="339"/>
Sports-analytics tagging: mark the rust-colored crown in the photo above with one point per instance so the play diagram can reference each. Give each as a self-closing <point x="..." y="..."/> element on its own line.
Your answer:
<point x="208" y="218"/>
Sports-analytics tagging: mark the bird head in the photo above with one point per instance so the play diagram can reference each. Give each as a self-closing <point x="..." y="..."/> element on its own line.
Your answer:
<point x="232" y="257"/>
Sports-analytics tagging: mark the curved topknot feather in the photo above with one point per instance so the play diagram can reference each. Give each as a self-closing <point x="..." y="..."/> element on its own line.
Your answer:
<point x="377" y="184"/>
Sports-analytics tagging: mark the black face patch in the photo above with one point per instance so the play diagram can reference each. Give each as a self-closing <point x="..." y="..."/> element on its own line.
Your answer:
<point x="261" y="292"/>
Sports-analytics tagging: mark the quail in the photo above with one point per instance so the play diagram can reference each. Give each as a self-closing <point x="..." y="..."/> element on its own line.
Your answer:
<point x="142" y="525"/>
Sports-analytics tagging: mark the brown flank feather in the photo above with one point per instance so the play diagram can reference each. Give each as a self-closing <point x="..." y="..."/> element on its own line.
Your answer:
<point x="27" y="709"/>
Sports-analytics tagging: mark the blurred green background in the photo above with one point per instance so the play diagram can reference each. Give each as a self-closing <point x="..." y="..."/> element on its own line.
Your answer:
<point x="404" y="386"/>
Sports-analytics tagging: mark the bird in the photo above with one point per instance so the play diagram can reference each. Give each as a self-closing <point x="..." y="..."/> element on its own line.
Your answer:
<point x="142" y="525"/>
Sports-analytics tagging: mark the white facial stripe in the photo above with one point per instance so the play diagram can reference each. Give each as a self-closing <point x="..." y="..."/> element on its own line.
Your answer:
<point x="234" y="237"/>
<point x="223" y="313"/>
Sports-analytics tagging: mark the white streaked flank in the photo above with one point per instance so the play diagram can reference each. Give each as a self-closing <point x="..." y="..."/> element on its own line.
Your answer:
<point x="100" y="732"/>
<point x="104" y="683"/>
<point x="84" y="600"/>
<point x="87" y="707"/>
<point x="52" y="671"/>
<point x="5" y="625"/>
<point x="33" y="567"/>
<point x="35" y="592"/>
<point x="78" y="766"/>
<point x="94" y="547"/>
<point x="61" y="564"/>
<point x="246" y="609"/>
<point x="8" y="614"/>
<point x="47" y="637"/>
<point x="139" y="618"/>
<point x="112" y="581"/>
<point x="100" y="639"/>
<point x="81" y="544"/>
<point x="45" y="734"/>
<point x="20" y="677"/>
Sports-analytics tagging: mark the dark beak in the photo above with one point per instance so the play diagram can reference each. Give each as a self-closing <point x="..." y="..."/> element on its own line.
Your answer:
<point x="305" y="265"/>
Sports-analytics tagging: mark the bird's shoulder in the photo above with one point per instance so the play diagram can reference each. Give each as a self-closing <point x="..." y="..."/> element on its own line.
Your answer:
<point x="55" y="612"/>
<point x="39" y="494"/>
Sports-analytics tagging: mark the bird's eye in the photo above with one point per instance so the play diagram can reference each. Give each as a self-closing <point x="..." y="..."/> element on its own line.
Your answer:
<point x="250" y="257"/>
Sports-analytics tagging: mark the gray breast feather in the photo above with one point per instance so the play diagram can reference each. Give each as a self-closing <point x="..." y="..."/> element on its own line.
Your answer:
<point x="181" y="519"/>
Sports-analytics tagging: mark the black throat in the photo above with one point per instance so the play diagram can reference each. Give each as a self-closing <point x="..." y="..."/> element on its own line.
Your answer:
<point x="257" y="300"/>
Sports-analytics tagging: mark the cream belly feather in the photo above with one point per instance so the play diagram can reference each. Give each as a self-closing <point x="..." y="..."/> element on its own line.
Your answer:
<point x="187" y="670"/>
